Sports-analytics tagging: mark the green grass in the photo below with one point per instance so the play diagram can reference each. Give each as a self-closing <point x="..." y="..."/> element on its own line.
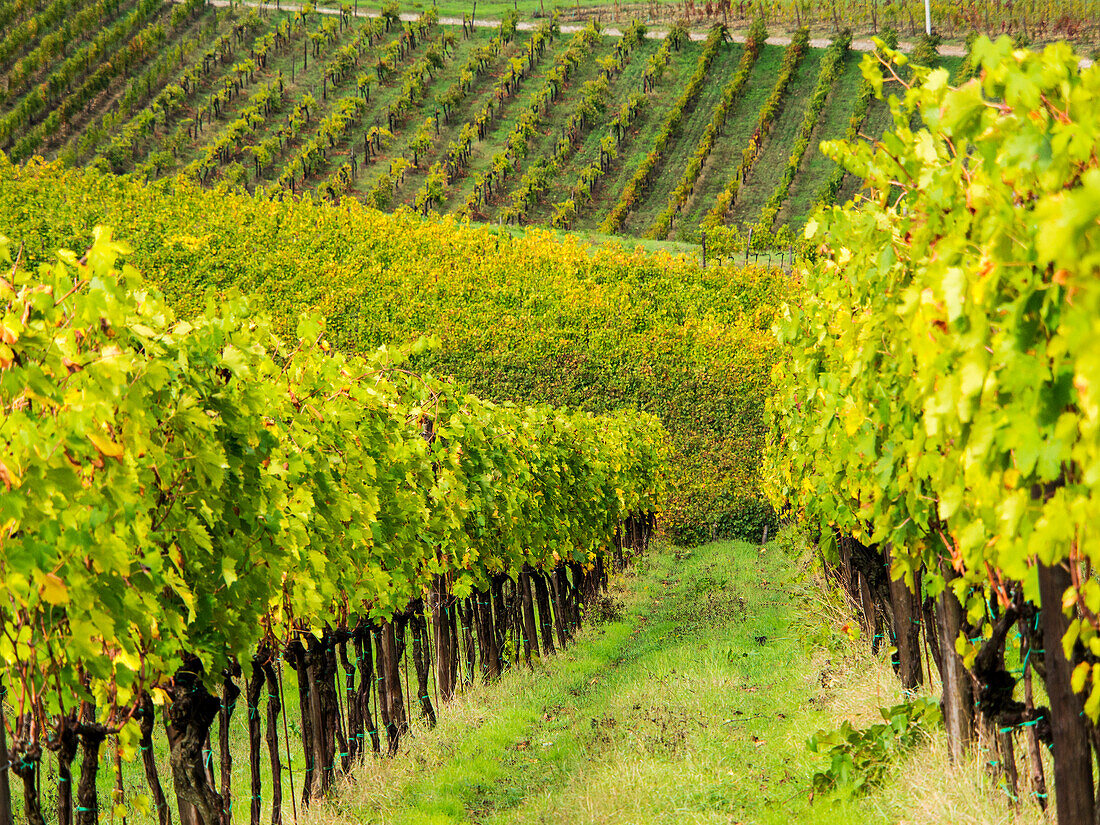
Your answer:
<point x="691" y="705"/>
<point x="766" y="172"/>
<point x="685" y="141"/>
<point x="726" y="154"/>
<point x="833" y="123"/>
<point x="688" y="697"/>
<point x="692" y="702"/>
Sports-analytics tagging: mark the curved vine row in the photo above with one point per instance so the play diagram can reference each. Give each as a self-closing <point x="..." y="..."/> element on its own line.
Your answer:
<point x="183" y="495"/>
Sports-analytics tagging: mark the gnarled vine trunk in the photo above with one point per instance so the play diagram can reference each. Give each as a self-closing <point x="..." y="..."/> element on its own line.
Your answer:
<point x="190" y="715"/>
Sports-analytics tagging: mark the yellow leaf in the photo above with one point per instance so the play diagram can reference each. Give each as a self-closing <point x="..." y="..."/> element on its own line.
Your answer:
<point x="105" y="445"/>
<point x="851" y="417"/>
<point x="9" y="478"/>
<point x="1080" y="674"/>
<point x="54" y="590"/>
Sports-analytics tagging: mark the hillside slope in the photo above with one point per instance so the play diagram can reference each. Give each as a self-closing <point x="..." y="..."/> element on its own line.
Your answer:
<point x="338" y="105"/>
<point x="539" y="317"/>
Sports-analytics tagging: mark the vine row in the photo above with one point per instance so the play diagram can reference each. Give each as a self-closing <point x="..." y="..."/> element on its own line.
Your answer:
<point x="635" y="188"/>
<point x="730" y="94"/>
<point x="792" y="57"/>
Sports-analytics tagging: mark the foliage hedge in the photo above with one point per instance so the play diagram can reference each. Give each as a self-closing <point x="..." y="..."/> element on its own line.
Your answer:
<point x="529" y="318"/>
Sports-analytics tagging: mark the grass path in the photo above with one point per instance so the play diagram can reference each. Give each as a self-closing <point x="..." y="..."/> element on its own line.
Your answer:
<point x="691" y="705"/>
<point x="640" y="137"/>
<point x="688" y="699"/>
<point x="726" y="154"/>
<point x="766" y="172"/>
<point x="831" y="125"/>
<point x="666" y="175"/>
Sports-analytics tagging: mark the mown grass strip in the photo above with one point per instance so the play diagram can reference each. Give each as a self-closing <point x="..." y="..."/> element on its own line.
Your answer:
<point x="633" y="192"/>
<point x="864" y="97"/>
<point x="730" y="95"/>
<point x="791" y="58"/>
<point x="831" y="66"/>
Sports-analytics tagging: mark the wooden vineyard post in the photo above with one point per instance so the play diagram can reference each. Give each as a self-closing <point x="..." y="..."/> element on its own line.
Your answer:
<point x="335" y="742"/>
<point x="546" y="620"/>
<point x="394" y="697"/>
<point x="1034" y="753"/>
<point x="1008" y="760"/>
<point x="286" y="741"/>
<point x="355" y="717"/>
<point x="1073" y="789"/>
<point x="466" y="614"/>
<point x="383" y="705"/>
<point x="365" y="659"/>
<point x="561" y="612"/>
<point x="444" y="658"/>
<point x="498" y="619"/>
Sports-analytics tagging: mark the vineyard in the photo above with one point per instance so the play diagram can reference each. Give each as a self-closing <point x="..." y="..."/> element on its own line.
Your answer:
<point x="346" y="374"/>
<point x="255" y="499"/>
<point x="655" y="137"/>
<point x="935" y="413"/>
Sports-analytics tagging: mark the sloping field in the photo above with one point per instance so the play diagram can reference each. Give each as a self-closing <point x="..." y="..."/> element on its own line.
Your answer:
<point x="687" y="138"/>
<point x="407" y="112"/>
<point x="760" y="182"/>
<point x="815" y="166"/>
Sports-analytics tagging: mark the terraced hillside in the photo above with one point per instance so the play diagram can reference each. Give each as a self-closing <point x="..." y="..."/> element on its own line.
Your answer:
<point x="643" y="134"/>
